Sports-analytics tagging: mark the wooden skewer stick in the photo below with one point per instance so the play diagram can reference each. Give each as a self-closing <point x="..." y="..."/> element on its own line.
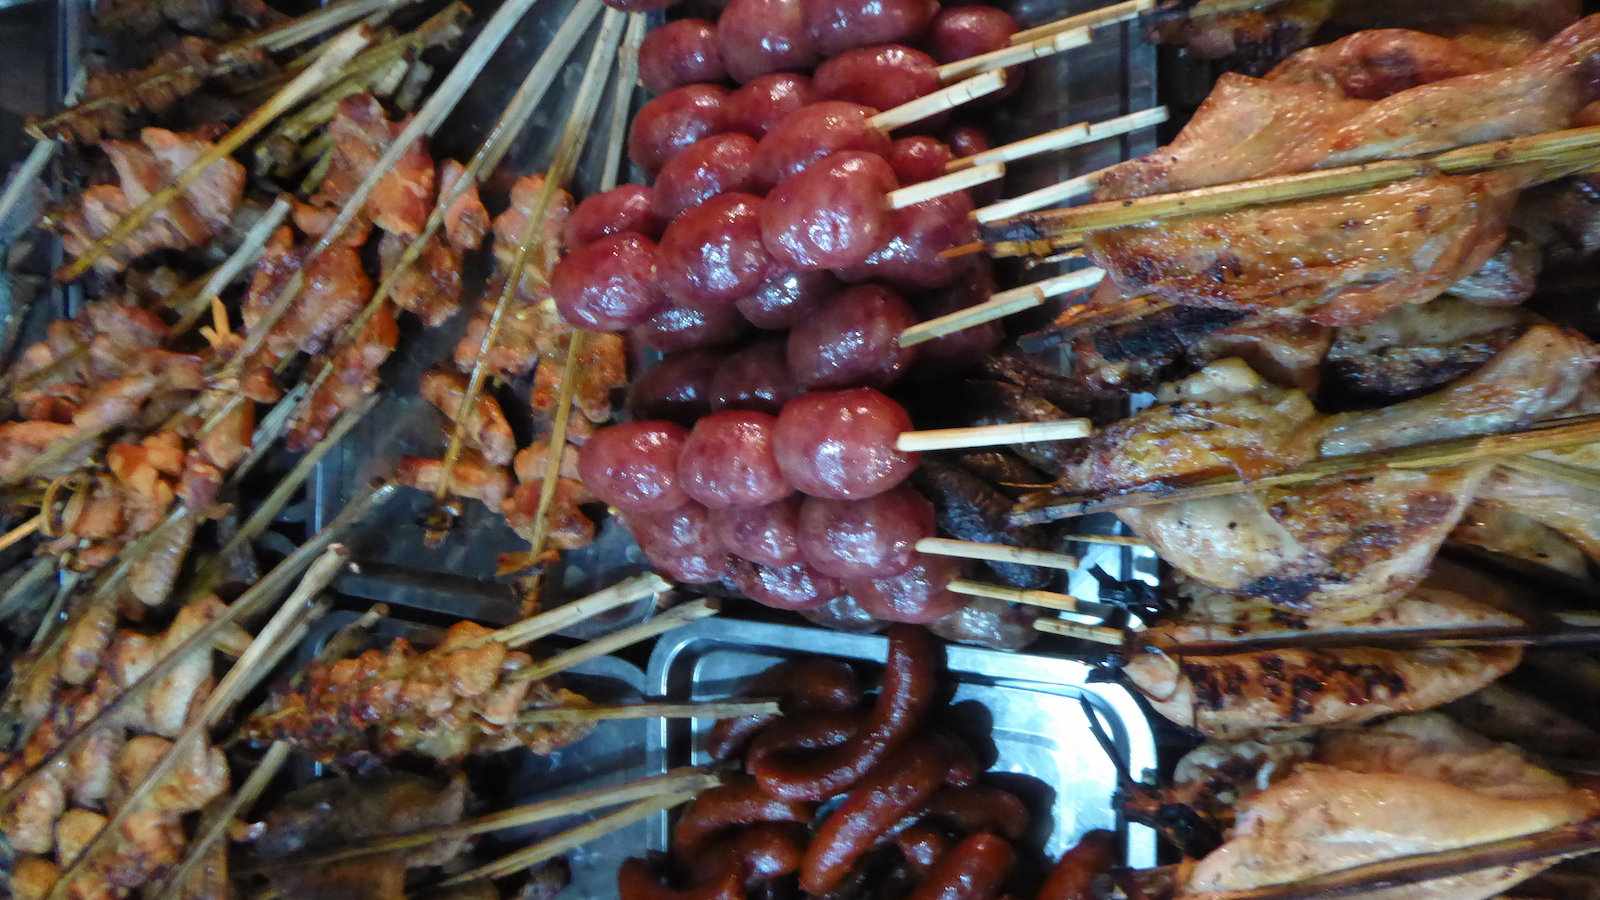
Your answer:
<point x="576" y="837"/>
<point x="275" y="640"/>
<point x="1098" y="634"/>
<point x="194" y="307"/>
<point x="1555" y="470"/>
<point x="993" y="435"/>
<point x="1094" y="18"/>
<point x="1062" y="192"/>
<point x="675" y="617"/>
<point x="335" y="54"/>
<point x="1045" y="599"/>
<point x="22" y="531"/>
<point x="623" y="593"/>
<point x="556" y="441"/>
<point x="1014" y="54"/>
<point x="217" y="822"/>
<point x="1121" y="540"/>
<point x="1026" y="556"/>
<point x="1073" y="135"/>
<point x="44" y="149"/>
<point x="1001" y="305"/>
<point x="565" y="161"/>
<point x="714" y="709"/>
<point x="946" y="184"/>
<point x="942" y="100"/>
<point x="1550" y="435"/>
<point x="1575" y="148"/>
<point x="677" y="781"/>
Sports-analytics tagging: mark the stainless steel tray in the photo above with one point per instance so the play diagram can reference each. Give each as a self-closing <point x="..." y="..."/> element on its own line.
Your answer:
<point x="613" y="753"/>
<point x="1026" y="705"/>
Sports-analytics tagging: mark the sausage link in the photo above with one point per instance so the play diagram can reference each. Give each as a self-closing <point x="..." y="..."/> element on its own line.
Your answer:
<point x="801" y="685"/>
<point x="964" y="765"/>
<point x="1073" y="877"/>
<point x="922" y="848"/>
<point x="806" y="734"/>
<point x="909" y="684"/>
<point x="758" y="853"/>
<point x="737" y="802"/>
<point x="636" y="880"/>
<point x="974" y="870"/>
<point x="978" y="808"/>
<point x="898" y="786"/>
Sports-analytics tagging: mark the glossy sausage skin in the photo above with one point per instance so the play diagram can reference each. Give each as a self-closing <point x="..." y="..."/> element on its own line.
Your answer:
<point x="919" y="158"/>
<point x="813" y="132"/>
<point x="980" y="808"/>
<point x="677" y="389"/>
<point x="762" y="103"/>
<point x="1073" y="877"/>
<point x="756" y="377"/>
<point x="922" y="848"/>
<point x="623" y="208"/>
<point x="757" y="37"/>
<point x="853" y="340"/>
<point x="911" y="257"/>
<point x="679" y="543"/>
<point x="958" y="32"/>
<point x="872" y="538"/>
<point x="667" y="125"/>
<point x="909" y="684"/>
<point x="795" y="587"/>
<point x="839" y="25"/>
<point x="679" y="53"/>
<point x="609" y="285"/>
<point x="735" y="803"/>
<point x="634" y="465"/>
<point x="832" y="215"/>
<point x="676" y="328"/>
<point x="881" y="77"/>
<point x="896" y="787"/>
<point x="802" y="734"/>
<point x="728" y="461"/>
<point x="841" y="444"/>
<point x="974" y="869"/>
<point x="769" y="535"/>
<point x="709" y="167"/>
<point x="636" y="880"/>
<point x="758" y="853"/>
<point x="801" y="685"/>
<point x="969" y="347"/>
<point x="786" y="298"/>
<point x="918" y="595"/>
<point x="715" y="253"/>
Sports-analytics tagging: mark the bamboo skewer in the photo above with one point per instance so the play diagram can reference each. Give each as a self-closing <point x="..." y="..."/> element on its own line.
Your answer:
<point x="1557" y="152"/>
<point x="950" y="183"/>
<point x="257" y="598"/>
<point x="576" y="837"/>
<point x="942" y="100"/>
<point x="1550" y="435"/>
<point x="621" y="103"/>
<point x="21" y="532"/>
<point x="993" y="435"/>
<point x="1001" y="305"/>
<point x="1071" y="189"/>
<point x="1067" y="136"/>
<point x="1577" y="476"/>
<point x="565" y="161"/>
<point x="621" y="594"/>
<point x="1094" y="18"/>
<point x="1027" y="556"/>
<point x="677" y="616"/>
<point x="335" y="54"/>
<point x="1026" y="596"/>
<point x="275" y="639"/>
<point x="714" y="709"/>
<point x="44" y="149"/>
<point x="676" y="781"/>
<point x="1098" y="634"/>
<point x="217" y="822"/>
<point x="1015" y="53"/>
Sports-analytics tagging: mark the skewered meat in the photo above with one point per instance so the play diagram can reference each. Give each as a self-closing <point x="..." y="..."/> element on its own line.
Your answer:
<point x="354" y="376"/>
<point x="680" y="52"/>
<point x="1234" y="696"/>
<point x="1570" y="509"/>
<point x="1496" y="529"/>
<point x="569" y="527"/>
<point x="1411" y="786"/>
<point x="602" y="369"/>
<point x="1416" y="349"/>
<point x="195" y="218"/>
<point x="486" y="428"/>
<point x="445" y="703"/>
<point x="761" y="37"/>
<point x="336" y="288"/>
<point x="1373" y="64"/>
<point x="472" y="477"/>
<point x="1502" y="713"/>
<point x="969" y="509"/>
<point x="361" y="132"/>
<point x="466" y="222"/>
<point x="430" y="288"/>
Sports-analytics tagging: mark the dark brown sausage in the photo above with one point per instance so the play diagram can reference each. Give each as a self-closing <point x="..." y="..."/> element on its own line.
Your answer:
<point x="754" y="108"/>
<point x="637" y="881"/>
<point x="909" y="684"/>
<point x="922" y="848"/>
<point x="802" y="685"/>
<point x="758" y="853"/>
<point x="809" y="733"/>
<point x="679" y="53"/>
<point x="667" y="125"/>
<point x="979" y="808"/>
<point x="830" y="216"/>
<point x="1073" y="877"/>
<point x="974" y="869"/>
<point x="761" y="36"/>
<point x="839" y="25"/>
<point x="899" y="785"/>
<point x="737" y="802"/>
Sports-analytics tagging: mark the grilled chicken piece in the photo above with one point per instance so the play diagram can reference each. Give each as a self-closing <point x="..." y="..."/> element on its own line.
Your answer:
<point x="1498" y="529"/>
<point x="199" y="215"/>
<point x="527" y="332"/>
<point x="1251" y="41"/>
<point x="1375" y="63"/>
<point x="509" y="226"/>
<point x="430" y="288"/>
<point x="486" y="428"/>
<point x="1417" y="349"/>
<point x="568" y="529"/>
<point x="336" y="288"/>
<point x="1570" y="509"/>
<point x="530" y="463"/>
<point x="602" y="372"/>
<point x="1502" y="713"/>
<point x="968" y="509"/>
<point x="33" y="877"/>
<point x="472" y="477"/>
<point x="401" y="201"/>
<point x="1236" y="696"/>
<point x="466" y="222"/>
<point x="354" y="376"/>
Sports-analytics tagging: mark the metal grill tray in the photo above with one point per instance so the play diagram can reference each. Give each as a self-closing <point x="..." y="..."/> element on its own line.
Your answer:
<point x="1023" y="705"/>
<point x="613" y="753"/>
